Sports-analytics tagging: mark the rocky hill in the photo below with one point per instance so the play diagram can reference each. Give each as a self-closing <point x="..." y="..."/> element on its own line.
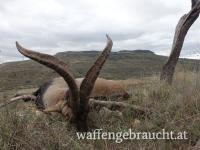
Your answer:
<point x="121" y="65"/>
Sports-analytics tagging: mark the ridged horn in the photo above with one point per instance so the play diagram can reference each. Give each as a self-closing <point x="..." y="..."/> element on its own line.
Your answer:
<point x="88" y="83"/>
<point x="60" y="67"/>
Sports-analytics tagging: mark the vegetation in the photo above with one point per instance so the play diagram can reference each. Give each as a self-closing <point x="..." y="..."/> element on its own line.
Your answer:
<point x="175" y="107"/>
<point x="121" y="65"/>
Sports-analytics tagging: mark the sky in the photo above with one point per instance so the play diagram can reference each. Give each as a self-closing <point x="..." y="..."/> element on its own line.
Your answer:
<point x="52" y="26"/>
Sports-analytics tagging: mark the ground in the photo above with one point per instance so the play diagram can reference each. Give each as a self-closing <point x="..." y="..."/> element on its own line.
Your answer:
<point x="174" y="108"/>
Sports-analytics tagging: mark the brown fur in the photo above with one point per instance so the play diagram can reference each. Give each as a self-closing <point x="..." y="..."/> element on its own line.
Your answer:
<point x="54" y="97"/>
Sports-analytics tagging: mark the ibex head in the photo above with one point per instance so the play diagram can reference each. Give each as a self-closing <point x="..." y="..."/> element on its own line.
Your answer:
<point x="76" y="98"/>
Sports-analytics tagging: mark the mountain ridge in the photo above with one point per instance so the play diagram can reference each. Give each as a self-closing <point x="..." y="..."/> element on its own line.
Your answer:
<point x="120" y="65"/>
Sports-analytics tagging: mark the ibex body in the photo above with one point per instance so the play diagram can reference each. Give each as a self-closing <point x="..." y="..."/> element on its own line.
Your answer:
<point x="74" y="94"/>
<point x="75" y="97"/>
<point x="53" y="94"/>
<point x="68" y="95"/>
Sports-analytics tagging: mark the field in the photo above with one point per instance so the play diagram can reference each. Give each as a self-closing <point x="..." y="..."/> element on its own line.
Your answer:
<point x="174" y="108"/>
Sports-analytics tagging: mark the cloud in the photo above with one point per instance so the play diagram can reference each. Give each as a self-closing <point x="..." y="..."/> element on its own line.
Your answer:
<point x="52" y="26"/>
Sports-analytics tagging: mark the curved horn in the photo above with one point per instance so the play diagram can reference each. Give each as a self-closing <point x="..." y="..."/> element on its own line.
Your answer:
<point x="91" y="76"/>
<point x="60" y="67"/>
<point x="88" y="84"/>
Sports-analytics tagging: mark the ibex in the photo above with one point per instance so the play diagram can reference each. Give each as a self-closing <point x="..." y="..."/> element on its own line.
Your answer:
<point x="52" y="94"/>
<point x="68" y="95"/>
<point x="72" y="97"/>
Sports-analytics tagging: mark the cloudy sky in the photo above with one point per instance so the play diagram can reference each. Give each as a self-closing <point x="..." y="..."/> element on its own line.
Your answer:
<point x="53" y="26"/>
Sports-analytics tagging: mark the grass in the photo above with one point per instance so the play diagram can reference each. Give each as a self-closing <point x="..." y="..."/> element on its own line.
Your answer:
<point x="175" y="108"/>
<point x="120" y="65"/>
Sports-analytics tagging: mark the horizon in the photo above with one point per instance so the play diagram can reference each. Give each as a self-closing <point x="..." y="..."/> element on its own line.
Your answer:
<point x="23" y="58"/>
<point x="51" y="26"/>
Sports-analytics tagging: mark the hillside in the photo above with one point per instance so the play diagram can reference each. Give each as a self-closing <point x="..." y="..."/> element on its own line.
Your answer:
<point x="173" y="108"/>
<point x="121" y="65"/>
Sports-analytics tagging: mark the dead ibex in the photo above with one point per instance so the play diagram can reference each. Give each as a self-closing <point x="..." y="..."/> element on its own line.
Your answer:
<point x="50" y="94"/>
<point x="67" y="95"/>
<point x="72" y="98"/>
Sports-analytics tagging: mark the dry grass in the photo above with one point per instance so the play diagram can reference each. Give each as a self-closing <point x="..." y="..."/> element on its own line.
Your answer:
<point x="175" y="108"/>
